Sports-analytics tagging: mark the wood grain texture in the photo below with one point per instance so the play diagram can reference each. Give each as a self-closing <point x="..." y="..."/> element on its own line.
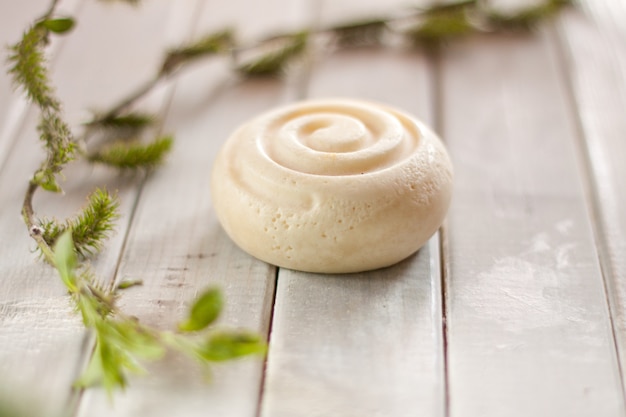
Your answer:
<point x="43" y="342"/>
<point x="365" y="344"/>
<point x="177" y="246"/>
<point x="596" y="61"/>
<point x="528" y="323"/>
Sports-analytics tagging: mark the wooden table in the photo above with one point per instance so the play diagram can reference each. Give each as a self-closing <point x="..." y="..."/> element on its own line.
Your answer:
<point x="517" y="307"/>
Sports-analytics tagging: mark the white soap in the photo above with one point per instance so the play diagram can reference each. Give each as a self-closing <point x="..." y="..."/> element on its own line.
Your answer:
<point x="332" y="186"/>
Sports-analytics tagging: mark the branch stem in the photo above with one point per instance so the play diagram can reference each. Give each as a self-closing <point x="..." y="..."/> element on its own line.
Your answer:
<point x="33" y="229"/>
<point x="129" y="100"/>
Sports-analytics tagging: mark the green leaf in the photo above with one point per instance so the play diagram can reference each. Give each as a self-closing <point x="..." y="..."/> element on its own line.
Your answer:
<point x="119" y="346"/>
<point x="210" y="44"/>
<point x="274" y="61"/>
<point x="29" y="68"/>
<point x="132" y="121"/>
<point x="129" y="284"/>
<point x="90" y="227"/>
<point x="47" y="181"/>
<point x="227" y="345"/>
<point x="65" y="260"/>
<point x="133" y="155"/>
<point x="204" y="311"/>
<point x="58" y="25"/>
<point x="443" y="22"/>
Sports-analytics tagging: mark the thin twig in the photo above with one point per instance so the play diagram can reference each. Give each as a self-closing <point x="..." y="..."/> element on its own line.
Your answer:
<point x="129" y="100"/>
<point x="29" y="218"/>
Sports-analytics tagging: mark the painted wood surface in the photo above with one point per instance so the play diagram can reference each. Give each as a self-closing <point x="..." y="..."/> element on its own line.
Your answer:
<point x="44" y="345"/>
<point x="527" y="319"/>
<point x="518" y="311"/>
<point x="595" y="49"/>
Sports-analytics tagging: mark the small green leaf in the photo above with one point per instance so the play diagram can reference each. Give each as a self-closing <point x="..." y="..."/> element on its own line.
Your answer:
<point x="90" y="227"/>
<point x="275" y="61"/>
<point x="233" y="344"/>
<point x="47" y="181"/>
<point x="133" y="155"/>
<point x="210" y="44"/>
<point x="129" y="284"/>
<point x="205" y="310"/>
<point x="58" y="25"/>
<point x="65" y="259"/>
<point x="133" y="121"/>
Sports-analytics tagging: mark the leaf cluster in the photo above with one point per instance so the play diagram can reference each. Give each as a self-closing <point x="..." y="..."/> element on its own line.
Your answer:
<point x="447" y="21"/>
<point x="123" y="343"/>
<point x="89" y="228"/>
<point x="428" y="26"/>
<point x="122" y="125"/>
<point x="29" y="69"/>
<point x="133" y="155"/>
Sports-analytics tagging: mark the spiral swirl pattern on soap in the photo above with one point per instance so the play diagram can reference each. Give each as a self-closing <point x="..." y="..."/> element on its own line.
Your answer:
<point x="332" y="186"/>
<point x="338" y="139"/>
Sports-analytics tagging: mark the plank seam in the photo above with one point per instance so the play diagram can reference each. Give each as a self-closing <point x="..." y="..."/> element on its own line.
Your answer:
<point x="590" y="190"/>
<point x="114" y="279"/>
<point x="438" y="118"/>
<point x="269" y="342"/>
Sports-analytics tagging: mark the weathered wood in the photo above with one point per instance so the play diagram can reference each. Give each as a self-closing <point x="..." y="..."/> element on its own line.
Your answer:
<point x="528" y="324"/>
<point x="596" y="61"/>
<point x="43" y="342"/>
<point x="177" y="246"/>
<point x="536" y="134"/>
<point x="365" y="344"/>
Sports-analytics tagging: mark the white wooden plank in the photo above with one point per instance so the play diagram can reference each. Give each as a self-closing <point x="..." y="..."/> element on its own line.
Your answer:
<point x="528" y="324"/>
<point x="42" y="340"/>
<point x="177" y="245"/>
<point x="596" y="43"/>
<point x="364" y="344"/>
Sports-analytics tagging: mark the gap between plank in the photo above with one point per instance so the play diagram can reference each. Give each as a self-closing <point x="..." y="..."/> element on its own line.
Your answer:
<point x="297" y="89"/>
<point x="269" y="341"/>
<point x="589" y="181"/>
<point x="435" y="59"/>
<point x="75" y="401"/>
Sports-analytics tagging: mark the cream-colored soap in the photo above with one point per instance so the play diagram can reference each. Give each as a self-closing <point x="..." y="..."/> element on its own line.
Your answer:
<point x="332" y="186"/>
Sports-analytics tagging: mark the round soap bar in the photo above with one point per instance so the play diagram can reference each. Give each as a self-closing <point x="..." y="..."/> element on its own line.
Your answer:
<point x="332" y="186"/>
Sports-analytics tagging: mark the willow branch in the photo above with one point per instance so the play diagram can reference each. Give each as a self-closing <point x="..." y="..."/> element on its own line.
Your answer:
<point x="129" y="100"/>
<point x="36" y="233"/>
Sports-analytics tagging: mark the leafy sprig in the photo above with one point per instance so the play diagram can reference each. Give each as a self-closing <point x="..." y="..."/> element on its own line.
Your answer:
<point x="211" y="44"/>
<point x="274" y="61"/>
<point x="135" y="154"/>
<point x="89" y="228"/>
<point x="122" y="343"/>
<point x="29" y="67"/>
<point x="427" y="27"/>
